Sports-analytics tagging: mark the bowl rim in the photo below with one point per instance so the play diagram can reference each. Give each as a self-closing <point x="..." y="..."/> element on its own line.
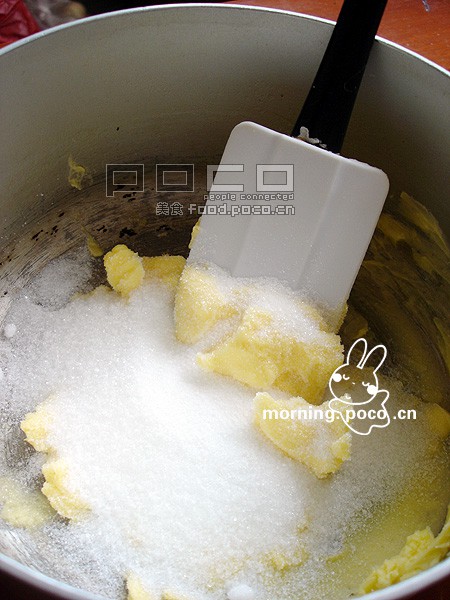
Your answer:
<point x="208" y="5"/>
<point x="65" y="591"/>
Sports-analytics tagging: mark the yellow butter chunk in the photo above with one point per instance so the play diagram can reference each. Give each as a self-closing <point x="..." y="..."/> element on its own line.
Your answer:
<point x="421" y="551"/>
<point x="78" y="176"/>
<point x="199" y="305"/>
<point x="261" y="356"/>
<point x="63" y="500"/>
<point x="36" y="427"/>
<point x="283" y="560"/>
<point x="124" y="269"/>
<point x="136" y="590"/>
<point x="22" y="507"/>
<point x="438" y="420"/>
<point x="415" y="213"/>
<point x="94" y="247"/>
<point x="320" y="445"/>
<point x="194" y="233"/>
<point x="166" y="268"/>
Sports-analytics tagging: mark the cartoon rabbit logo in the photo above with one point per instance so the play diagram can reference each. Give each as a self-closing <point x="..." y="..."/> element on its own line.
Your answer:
<point x="354" y="386"/>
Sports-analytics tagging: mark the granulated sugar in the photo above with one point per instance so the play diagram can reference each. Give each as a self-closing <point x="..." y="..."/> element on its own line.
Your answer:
<point x="164" y="452"/>
<point x="61" y="278"/>
<point x="183" y="490"/>
<point x="9" y="330"/>
<point x="290" y="315"/>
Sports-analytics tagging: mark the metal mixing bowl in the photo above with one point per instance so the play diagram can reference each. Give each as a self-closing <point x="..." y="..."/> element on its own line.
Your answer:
<point x="166" y="85"/>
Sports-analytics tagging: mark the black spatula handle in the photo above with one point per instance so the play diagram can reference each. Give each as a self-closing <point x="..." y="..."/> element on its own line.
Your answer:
<point x="329" y="104"/>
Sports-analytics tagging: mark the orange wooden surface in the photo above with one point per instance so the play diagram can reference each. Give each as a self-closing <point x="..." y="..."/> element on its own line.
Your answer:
<point x="406" y="22"/>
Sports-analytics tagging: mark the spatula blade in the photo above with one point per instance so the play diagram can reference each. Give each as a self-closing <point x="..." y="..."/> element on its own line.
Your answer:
<point x="301" y="214"/>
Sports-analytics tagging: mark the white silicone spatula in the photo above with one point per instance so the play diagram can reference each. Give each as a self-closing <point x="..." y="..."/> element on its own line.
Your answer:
<point x="282" y="207"/>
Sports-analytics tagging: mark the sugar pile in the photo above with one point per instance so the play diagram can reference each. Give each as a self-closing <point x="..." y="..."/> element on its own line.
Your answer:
<point x="291" y="314"/>
<point x="163" y="452"/>
<point x="56" y="283"/>
<point x="184" y="491"/>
